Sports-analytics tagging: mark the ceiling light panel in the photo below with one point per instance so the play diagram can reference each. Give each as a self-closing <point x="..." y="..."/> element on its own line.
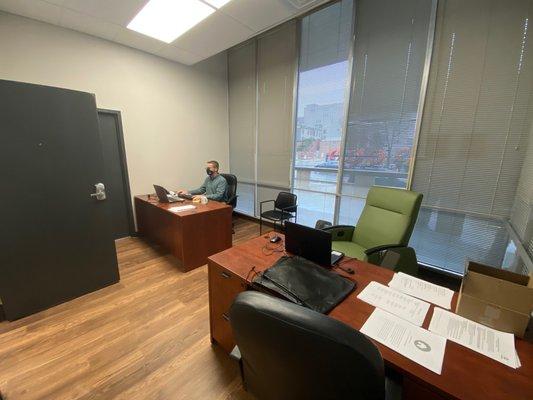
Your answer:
<point x="166" y="20"/>
<point x="217" y="3"/>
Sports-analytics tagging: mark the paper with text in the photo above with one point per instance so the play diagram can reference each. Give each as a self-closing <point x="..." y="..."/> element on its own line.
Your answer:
<point x="421" y="289"/>
<point x="480" y="338"/>
<point x="182" y="208"/>
<point x="413" y="342"/>
<point x="395" y="302"/>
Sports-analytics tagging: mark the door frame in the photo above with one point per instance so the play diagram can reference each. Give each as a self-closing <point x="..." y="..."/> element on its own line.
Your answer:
<point x="124" y="166"/>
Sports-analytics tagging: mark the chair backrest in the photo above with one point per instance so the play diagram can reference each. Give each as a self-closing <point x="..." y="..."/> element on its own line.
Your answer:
<point x="291" y="352"/>
<point x="287" y="201"/>
<point x="231" y="191"/>
<point x="389" y="217"/>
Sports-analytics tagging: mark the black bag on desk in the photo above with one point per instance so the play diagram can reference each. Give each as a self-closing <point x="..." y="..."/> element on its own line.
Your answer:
<point x="305" y="283"/>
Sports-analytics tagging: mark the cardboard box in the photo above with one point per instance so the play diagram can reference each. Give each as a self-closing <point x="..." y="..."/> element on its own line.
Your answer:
<point x="497" y="298"/>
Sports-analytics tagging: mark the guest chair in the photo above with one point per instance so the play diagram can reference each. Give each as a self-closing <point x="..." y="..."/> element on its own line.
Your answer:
<point x="286" y="351"/>
<point x="231" y="193"/>
<point x="383" y="231"/>
<point x="285" y="208"/>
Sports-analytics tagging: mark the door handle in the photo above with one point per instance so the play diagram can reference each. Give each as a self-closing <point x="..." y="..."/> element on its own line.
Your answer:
<point x="99" y="193"/>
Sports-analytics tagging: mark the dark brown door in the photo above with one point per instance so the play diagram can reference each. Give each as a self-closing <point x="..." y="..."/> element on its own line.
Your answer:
<point x="55" y="238"/>
<point x="116" y="173"/>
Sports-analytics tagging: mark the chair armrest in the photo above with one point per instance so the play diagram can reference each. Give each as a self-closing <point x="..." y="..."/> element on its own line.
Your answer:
<point x="236" y="354"/>
<point x="376" y="249"/>
<point x="263" y="202"/>
<point x="341" y="233"/>
<point x="231" y="199"/>
<point x="396" y="258"/>
<point x="284" y="209"/>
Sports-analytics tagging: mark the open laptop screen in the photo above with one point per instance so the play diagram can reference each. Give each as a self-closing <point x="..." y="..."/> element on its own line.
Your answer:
<point x="312" y="244"/>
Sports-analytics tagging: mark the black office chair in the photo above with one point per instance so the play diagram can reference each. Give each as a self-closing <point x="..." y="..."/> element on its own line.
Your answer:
<point x="231" y="193"/>
<point x="290" y="352"/>
<point x="285" y="208"/>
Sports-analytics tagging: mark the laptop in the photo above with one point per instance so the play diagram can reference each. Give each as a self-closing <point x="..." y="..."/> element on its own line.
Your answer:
<point x="165" y="196"/>
<point x="312" y="244"/>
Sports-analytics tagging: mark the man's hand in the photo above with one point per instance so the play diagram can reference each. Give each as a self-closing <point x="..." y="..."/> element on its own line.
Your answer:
<point x="183" y="191"/>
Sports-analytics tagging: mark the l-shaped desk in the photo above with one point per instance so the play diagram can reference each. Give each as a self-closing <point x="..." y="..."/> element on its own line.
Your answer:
<point x="465" y="373"/>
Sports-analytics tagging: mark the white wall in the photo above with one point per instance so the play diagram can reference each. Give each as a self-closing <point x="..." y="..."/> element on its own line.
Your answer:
<point x="174" y="117"/>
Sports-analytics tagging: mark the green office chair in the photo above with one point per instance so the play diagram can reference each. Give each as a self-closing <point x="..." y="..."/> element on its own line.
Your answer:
<point x="382" y="234"/>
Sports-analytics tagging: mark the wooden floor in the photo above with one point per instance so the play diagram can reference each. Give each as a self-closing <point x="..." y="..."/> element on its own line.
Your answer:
<point x="146" y="337"/>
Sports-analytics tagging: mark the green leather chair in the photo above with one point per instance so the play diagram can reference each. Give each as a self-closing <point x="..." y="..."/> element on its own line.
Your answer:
<point x="383" y="231"/>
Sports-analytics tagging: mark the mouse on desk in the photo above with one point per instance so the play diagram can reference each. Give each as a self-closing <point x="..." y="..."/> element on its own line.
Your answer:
<point x="275" y="239"/>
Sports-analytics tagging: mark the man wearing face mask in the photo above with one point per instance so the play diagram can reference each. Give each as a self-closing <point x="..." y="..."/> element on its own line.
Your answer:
<point x="214" y="186"/>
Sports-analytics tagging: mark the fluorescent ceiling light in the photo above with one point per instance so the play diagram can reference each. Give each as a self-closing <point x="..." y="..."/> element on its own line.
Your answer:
<point x="217" y="3"/>
<point x="165" y="20"/>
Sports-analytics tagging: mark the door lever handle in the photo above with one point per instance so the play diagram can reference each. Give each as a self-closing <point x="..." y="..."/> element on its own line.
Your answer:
<point x="99" y="194"/>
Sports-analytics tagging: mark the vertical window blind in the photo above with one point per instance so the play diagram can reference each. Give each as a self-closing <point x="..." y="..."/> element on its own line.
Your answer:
<point x="389" y="56"/>
<point x="242" y="95"/>
<point x="522" y="213"/>
<point x="242" y="121"/>
<point x="260" y="85"/>
<point x="276" y="67"/>
<point x="475" y="123"/>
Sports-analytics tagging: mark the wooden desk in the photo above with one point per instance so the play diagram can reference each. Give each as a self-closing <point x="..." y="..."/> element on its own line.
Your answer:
<point x="191" y="236"/>
<point x="465" y="373"/>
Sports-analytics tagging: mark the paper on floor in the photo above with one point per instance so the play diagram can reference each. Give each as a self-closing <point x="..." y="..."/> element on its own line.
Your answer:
<point x="413" y="342"/>
<point x="182" y="208"/>
<point x="421" y="289"/>
<point x="395" y="302"/>
<point x="480" y="338"/>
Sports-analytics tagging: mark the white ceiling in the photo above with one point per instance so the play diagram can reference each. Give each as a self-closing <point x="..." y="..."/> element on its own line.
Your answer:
<point x="232" y="24"/>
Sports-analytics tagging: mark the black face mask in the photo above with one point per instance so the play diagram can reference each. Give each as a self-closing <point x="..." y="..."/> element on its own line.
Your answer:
<point x="208" y="171"/>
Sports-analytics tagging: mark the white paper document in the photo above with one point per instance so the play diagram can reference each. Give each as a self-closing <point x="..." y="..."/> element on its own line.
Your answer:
<point x="421" y="289"/>
<point x="182" y="208"/>
<point x="487" y="341"/>
<point x="395" y="302"/>
<point x="413" y="342"/>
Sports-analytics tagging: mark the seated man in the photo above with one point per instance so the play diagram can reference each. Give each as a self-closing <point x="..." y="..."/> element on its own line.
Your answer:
<point x="214" y="186"/>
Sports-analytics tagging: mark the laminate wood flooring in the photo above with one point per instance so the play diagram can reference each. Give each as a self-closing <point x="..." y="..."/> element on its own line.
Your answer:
<point x="146" y="337"/>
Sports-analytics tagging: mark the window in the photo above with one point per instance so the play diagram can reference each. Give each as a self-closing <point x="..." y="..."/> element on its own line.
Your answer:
<point x="378" y="125"/>
<point x="323" y="76"/>
<point x="389" y="58"/>
<point x="260" y="73"/>
<point x="474" y="134"/>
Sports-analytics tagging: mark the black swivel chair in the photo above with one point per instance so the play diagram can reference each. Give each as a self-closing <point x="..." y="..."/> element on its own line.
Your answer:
<point x="285" y="208"/>
<point x="289" y="352"/>
<point x="231" y="193"/>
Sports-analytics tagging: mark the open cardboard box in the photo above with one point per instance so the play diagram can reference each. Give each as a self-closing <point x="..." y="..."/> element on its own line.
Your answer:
<point x="497" y="298"/>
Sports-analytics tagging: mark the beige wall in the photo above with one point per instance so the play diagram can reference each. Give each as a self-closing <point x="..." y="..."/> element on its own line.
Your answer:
<point x="174" y="117"/>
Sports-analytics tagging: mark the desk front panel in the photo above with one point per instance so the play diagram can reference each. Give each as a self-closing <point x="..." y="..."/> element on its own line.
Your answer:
<point x="190" y="236"/>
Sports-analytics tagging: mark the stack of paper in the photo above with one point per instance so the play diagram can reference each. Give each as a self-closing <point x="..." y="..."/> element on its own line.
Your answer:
<point x="182" y="208"/>
<point x="394" y="302"/>
<point x="421" y="289"/>
<point x="413" y="342"/>
<point x="480" y="338"/>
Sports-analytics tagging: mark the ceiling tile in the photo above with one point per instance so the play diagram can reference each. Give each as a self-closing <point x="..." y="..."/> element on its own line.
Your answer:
<point x="87" y="24"/>
<point x="133" y="39"/>
<point x="35" y="9"/>
<point x="259" y="14"/>
<point x="56" y="2"/>
<point x="119" y="12"/>
<point x="182" y="56"/>
<point x="214" y="34"/>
